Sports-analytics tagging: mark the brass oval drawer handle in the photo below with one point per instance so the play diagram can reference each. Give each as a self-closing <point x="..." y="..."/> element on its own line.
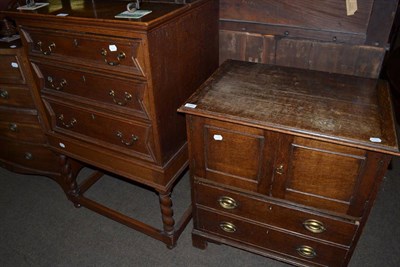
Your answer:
<point x="120" y="56"/>
<point x="4" y="94"/>
<point x="58" y="87"/>
<point x="130" y="142"/>
<point x="227" y="203"/>
<point x="306" y="252"/>
<point x="13" y="127"/>
<point x="128" y="97"/>
<point x="227" y="227"/>
<point x="49" y="48"/>
<point x="67" y="125"/>
<point x="314" y="226"/>
<point x="28" y="156"/>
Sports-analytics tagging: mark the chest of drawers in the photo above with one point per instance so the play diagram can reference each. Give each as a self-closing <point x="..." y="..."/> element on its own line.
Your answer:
<point x="110" y="89"/>
<point x="22" y="140"/>
<point x="287" y="162"/>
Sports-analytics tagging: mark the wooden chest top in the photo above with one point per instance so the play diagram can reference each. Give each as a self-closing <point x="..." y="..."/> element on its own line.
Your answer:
<point x="337" y="108"/>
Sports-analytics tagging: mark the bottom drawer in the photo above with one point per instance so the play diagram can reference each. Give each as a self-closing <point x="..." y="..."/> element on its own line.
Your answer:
<point x="33" y="156"/>
<point x="271" y="240"/>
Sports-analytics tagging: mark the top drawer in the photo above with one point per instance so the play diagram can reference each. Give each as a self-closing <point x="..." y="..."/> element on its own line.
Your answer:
<point x="116" y="54"/>
<point x="10" y="70"/>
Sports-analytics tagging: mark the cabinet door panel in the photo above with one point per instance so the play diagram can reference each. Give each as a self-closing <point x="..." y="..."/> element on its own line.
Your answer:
<point x="318" y="174"/>
<point x="239" y="156"/>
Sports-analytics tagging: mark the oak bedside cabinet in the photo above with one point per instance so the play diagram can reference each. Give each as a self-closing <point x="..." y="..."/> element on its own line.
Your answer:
<point x="287" y="162"/>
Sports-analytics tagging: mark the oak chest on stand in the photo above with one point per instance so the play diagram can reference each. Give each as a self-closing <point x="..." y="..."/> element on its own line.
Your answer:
<point x="287" y="162"/>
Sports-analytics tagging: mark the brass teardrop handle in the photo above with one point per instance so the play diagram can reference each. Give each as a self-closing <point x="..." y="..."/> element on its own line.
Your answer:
<point x="227" y="203"/>
<point x="130" y="142"/>
<point x="128" y="97"/>
<point x="72" y="122"/>
<point x="4" y="94"/>
<point x="279" y="169"/>
<point x="306" y="252"/>
<point x="314" y="226"/>
<point x="120" y="56"/>
<point x="227" y="227"/>
<point x="49" y="48"/>
<point x="60" y="85"/>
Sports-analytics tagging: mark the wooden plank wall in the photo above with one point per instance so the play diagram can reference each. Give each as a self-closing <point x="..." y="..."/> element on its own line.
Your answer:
<point x="310" y="34"/>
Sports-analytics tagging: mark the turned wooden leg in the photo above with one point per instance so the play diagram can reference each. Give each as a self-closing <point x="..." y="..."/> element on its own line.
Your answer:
<point x="68" y="182"/>
<point x="167" y="215"/>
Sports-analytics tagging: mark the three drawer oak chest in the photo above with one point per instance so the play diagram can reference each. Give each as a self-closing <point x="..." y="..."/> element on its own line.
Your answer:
<point x="287" y="162"/>
<point x="109" y="87"/>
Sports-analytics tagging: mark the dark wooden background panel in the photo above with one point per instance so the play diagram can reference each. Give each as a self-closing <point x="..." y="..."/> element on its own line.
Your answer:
<point x="327" y="15"/>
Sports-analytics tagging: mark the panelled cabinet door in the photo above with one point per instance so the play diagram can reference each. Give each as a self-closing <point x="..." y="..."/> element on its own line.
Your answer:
<point x="324" y="175"/>
<point x="234" y="155"/>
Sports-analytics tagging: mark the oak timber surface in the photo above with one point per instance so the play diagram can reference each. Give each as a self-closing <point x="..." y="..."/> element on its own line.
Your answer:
<point x="337" y="107"/>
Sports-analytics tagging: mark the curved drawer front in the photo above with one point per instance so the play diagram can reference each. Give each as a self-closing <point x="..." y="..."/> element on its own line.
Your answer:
<point x="276" y="214"/>
<point x="21" y="126"/>
<point x="261" y="237"/>
<point x="111" y="132"/>
<point x="10" y="70"/>
<point x="31" y="156"/>
<point x="115" y="54"/>
<point x="15" y="96"/>
<point x="118" y="94"/>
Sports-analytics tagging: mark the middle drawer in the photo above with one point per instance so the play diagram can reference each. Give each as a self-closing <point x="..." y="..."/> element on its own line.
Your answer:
<point x="122" y="135"/>
<point x="126" y="96"/>
<point x="276" y="214"/>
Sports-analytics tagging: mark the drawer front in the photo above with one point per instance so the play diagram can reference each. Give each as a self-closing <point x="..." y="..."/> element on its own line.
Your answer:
<point x="31" y="156"/>
<point x="124" y="136"/>
<point x="264" y="238"/>
<point x="10" y="70"/>
<point x="21" y="126"/>
<point x="275" y="214"/>
<point x="121" y="95"/>
<point x="122" y="55"/>
<point x="15" y="96"/>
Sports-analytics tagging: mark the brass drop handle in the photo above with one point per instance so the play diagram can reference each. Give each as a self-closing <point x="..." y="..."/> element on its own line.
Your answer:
<point x="49" y="48"/>
<point x="130" y="142"/>
<point x="227" y="203"/>
<point x="128" y="97"/>
<point x="279" y="169"/>
<point x="28" y="156"/>
<point x="13" y="127"/>
<point x="227" y="227"/>
<point x="72" y="122"/>
<point x="120" y="56"/>
<point x="314" y="226"/>
<point x="306" y="252"/>
<point x="4" y="94"/>
<point x="58" y="87"/>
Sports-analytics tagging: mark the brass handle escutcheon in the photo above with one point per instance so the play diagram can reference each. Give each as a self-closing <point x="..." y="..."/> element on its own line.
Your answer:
<point x="49" y="48"/>
<point x="120" y="56"/>
<point x="28" y="156"/>
<point x="67" y="125"/>
<point x="314" y="226"/>
<point x="279" y="169"/>
<point x="58" y="87"/>
<point x="13" y="127"/>
<point x="227" y="203"/>
<point x="130" y="142"/>
<point x="306" y="252"/>
<point x="4" y="94"/>
<point x="128" y="97"/>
